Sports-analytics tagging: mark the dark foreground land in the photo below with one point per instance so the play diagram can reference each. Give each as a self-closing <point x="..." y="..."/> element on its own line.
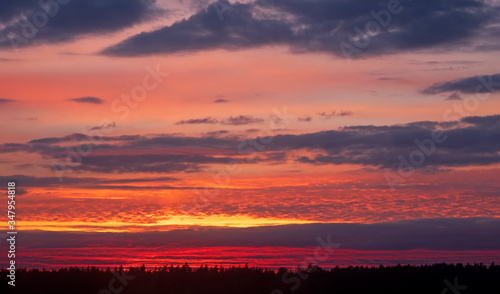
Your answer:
<point x="439" y="278"/>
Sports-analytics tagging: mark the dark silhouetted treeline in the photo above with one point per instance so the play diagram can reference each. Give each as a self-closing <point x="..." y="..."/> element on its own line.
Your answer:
<point x="438" y="278"/>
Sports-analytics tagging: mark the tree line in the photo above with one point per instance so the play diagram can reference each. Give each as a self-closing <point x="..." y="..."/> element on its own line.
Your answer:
<point x="183" y="279"/>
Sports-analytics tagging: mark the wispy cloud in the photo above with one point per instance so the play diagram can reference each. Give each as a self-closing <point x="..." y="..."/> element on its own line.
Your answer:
<point x="305" y="119"/>
<point x="196" y="121"/>
<point x="242" y="120"/>
<point x="105" y="126"/>
<point x="221" y="101"/>
<point x="469" y="85"/>
<point x="233" y="121"/>
<point x="91" y="100"/>
<point x="334" y="113"/>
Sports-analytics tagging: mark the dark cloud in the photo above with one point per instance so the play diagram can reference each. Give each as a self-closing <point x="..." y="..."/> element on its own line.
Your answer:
<point x="106" y="126"/>
<point x="485" y="122"/>
<point x="425" y="234"/>
<point x="234" y="121"/>
<point x="335" y="27"/>
<point x="477" y="143"/>
<point x="218" y="133"/>
<point x="14" y="147"/>
<point x="141" y="153"/>
<point x="221" y="101"/>
<point x="150" y="163"/>
<point x="242" y="120"/>
<point x="470" y="85"/>
<point x="28" y="182"/>
<point x="170" y="141"/>
<point x="334" y="113"/>
<point x="92" y="100"/>
<point x="196" y="121"/>
<point x="69" y="138"/>
<point x="345" y="113"/>
<point x="70" y="21"/>
<point x="468" y="142"/>
<point x="5" y="100"/>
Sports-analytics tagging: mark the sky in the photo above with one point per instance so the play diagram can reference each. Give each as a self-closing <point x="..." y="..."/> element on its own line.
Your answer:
<point x="143" y="131"/>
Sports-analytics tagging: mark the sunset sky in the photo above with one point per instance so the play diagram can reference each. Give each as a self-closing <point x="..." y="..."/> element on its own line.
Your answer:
<point x="143" y="131"/>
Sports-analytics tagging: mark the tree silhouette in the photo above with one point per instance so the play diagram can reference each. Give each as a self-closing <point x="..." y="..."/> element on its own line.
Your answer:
<point x="438" y="278"/>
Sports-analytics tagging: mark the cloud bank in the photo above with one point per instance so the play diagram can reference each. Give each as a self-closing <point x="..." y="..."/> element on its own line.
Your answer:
<point x="429" y="234"/>
<point x="343" y="28"/>
<point x="28" y="23"/>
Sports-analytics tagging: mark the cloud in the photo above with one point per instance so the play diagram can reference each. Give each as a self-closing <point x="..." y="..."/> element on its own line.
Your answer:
<point x="242" y="120"/>
<point x="322" y="26"/>
<point x="206" y="120"/>
<point x="221" y="101"/>
<point x="472" y="141"/>
<point x="306" y="119"/>
<point x="8" y="59"/>
<point x="470" y="85"/>
<point x="25" y="165"/>
<point x="485" y="122"/>
<point x="149" y="163"/>
<point x="454" y="96"/>
<point x="447" y="62"/>
<point x="424" y="234"/>
<point x="92" y="100"/>
<point x="334" y="113"/>
<point x="388" y="79"/>
<point x="29" y="182"/>
<point x="234" y="121"/>
<point x="218" y="133"/>
<point x="53" y="140"/>
<point x="128" y="154"/>
<point x="5" y="100"/>
<point x="69" y="21"/>
<point x="105" y="126"/>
